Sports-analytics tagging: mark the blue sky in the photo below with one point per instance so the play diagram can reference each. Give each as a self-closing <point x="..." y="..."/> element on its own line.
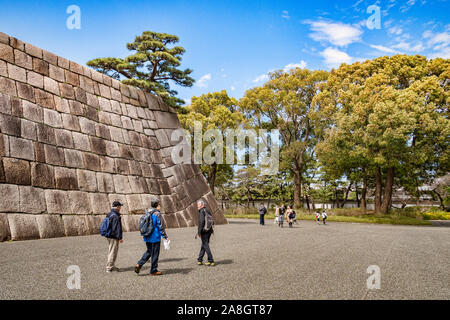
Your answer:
<point x="232" y="45"/>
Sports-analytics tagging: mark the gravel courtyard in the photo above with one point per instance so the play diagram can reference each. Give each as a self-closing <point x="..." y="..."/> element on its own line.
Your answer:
<point x="253" y="262"/>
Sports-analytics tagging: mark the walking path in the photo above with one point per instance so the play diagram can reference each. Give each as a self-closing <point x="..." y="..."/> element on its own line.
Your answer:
<point x="253" y="262"/>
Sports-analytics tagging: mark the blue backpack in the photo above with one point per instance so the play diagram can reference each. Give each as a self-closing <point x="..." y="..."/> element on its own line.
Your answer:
<point x="146" y="223"/>
<point x="105" y="228"/>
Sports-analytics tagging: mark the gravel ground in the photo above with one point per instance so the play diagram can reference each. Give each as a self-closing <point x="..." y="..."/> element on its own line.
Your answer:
<point x="253" y="262"/>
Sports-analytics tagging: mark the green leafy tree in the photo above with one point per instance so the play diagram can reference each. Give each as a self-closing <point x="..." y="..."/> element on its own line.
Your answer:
<point x="151" y="68"/>
<point x="386" y="118"/>
<point x="285" y="103"/>
<point x="214" y="110"/>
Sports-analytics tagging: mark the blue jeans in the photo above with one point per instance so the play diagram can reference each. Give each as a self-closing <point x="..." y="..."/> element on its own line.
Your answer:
<point x="152" y="251"/>
<point x="261" y="219"/>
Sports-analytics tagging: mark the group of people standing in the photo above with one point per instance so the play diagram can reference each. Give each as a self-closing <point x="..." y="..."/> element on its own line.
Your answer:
<point x="113" y="234"/>
<point x="287" y="213"/>
<point x="281" y="213"/>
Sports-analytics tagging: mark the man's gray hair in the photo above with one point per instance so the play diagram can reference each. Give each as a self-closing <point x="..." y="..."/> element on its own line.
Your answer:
<point x="202" y="202"/>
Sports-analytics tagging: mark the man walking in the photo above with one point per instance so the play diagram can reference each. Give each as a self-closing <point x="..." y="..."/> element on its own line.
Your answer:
<point x="115" y="236"/>
<point x="205" y="231"/>
<point x="153" y="242"/>
<point x="262" y="212"/>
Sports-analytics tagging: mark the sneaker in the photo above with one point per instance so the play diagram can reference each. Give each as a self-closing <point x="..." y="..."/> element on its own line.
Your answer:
<point x="209" y="264"/>
<point x="199" y="263"/>
<point x="137" y="268"/>
<point x="157" y="273"/>
<point x="115" y="269"/>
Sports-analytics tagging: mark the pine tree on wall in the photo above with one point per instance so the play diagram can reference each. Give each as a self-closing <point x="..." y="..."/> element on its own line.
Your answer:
<point x="151" y="67"/>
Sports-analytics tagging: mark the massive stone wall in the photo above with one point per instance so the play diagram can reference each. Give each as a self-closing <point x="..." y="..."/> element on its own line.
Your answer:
<point x="72" y="140"/>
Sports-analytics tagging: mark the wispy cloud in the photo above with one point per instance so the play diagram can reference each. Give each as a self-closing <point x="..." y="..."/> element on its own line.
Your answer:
<point x="203" y="81"/>
<point x="285" y="14"/>
<point x="290" y="66"/>
<point x="383" y="48"/>
<point x="260" y="78"/>
<point x="336" y="33"/>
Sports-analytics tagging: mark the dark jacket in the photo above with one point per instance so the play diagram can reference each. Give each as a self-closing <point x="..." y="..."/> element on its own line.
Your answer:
<point x="202" y="220"/>
<point x="116" y="224"/>
<point x="262" y="210"/>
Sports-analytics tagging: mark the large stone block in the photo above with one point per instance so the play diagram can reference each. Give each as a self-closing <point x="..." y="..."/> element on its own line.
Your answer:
<point x="64" y="138"/>
<point x="32" y="200"/>
<point x="44" y="99"/>
<point x="107" y="164"/>
<point x="79" y="202"/>
<point x="54" y="155"/>
<point x="99" y="203"/>
<point x="42" y="175"/>
<point x="122" y="166"/>
<point x="23" y="226"/>
<point x="121" y="184"/>
<point x="21" y="148"/>
<point x="32" y="112"/>
<point x="135" y="205"/>
<point x="45" y="134"/>
<point x="91" y="161"/>
<point x="4" y="145"/>
<point x="25" y="91"/>
<point x="28" y="130"/>
<point x="66" y="179"/>
<point x="50" y="226"/>
<point x="52" y="118"/>
<point x="93" y="223"/>
<point x="70" y="122"/>
<point x="58" y="201"/>
<point x="66" y="91"/>
<point x="5" y="232"/>
<point x="75" y="226"/>
<point x="138" y="184"/>
<point x="87" y="126"/>
<point x="73" y="158"/>
<point x="6" y="53"/>
<point x="10" y="200"/>
<point x="87" y="180"/>
<point x="130" y="222"/>
<point x="51" y="86"/>
<point x="105" y="182"/>
<point x="17" y="171"/>
<point x="8" y="86"/>
<point x="35" y="79"/>
<point x="81" y="141"/>
<point x="10" y="125"/>
<point x="98" y="145"/>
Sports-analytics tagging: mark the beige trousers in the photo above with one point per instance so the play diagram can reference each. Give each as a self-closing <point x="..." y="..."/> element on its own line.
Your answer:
<point x="112" y="253"/>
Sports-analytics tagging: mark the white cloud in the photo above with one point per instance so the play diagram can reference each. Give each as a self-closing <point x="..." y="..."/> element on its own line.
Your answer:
<point x="439" y="40"/>
<point x="232" y="88"/>
<point x="383" y="48"/>
<point x="290" y="66"/>
<point x="336" y="33"/>
<point x="406" y="46"/>
<point x="285" y="15"/>
<point x="202" y="82"/>
<point x="334" y="57"/>
<point x="395" y="31"/>
<point x="444" y="53"/>
<point x="260" y="78"/>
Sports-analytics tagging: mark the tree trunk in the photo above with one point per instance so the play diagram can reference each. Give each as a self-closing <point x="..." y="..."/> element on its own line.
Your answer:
<point x="337" y="197"/>
<point x="358" y="203"/>
<point x="346" y="194"/>
<point x="363" y="196"/>
<point x="387" y="196"/>
<point x="297" y="189"/>
<point x="307" y="201"/>
<point x="212" y="177"/>
<point x="378" y="190"/>
<point x="441" y="201"/>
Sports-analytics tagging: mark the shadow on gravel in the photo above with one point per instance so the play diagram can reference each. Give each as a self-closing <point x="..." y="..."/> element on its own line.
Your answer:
<point x="172" y="259"/>
<point x="179" y="270"/>
<point x="229" y="261"/>
<point x="243" y="222"/>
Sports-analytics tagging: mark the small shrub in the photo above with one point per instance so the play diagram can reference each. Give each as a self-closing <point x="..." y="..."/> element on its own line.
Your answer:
<point x="436" y="215"/>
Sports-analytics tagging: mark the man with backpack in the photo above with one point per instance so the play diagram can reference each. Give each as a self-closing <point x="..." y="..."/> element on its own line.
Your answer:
<point x="152" y="228"/>
<point x="111" y="228"/>
<point x="205" y="230"/>
<point x="262" y="211"/>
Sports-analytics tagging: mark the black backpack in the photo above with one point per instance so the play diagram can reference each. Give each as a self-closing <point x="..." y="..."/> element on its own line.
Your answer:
<point x="209" y="220"/>
<point x="146" y="223"/>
